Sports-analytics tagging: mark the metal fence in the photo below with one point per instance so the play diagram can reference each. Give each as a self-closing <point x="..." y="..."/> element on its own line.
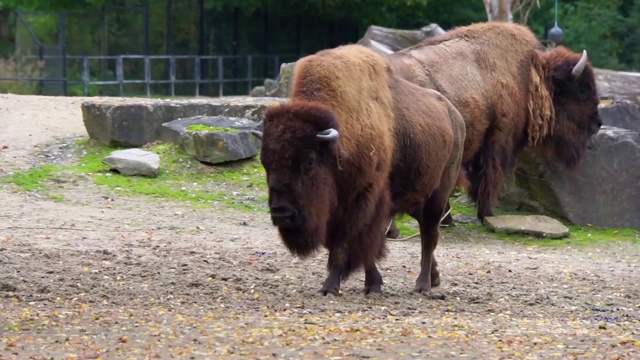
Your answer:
<point x="135" y="75"/>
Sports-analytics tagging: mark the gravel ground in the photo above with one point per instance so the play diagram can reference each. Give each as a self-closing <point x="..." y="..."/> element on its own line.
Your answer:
<point x="105" y="276"/>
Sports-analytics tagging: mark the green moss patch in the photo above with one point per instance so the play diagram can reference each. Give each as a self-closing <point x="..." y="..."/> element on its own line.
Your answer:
<point x="201" y="127"/>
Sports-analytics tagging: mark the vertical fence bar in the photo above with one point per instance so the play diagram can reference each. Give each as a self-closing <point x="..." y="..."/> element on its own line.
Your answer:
<point x="147" y="76"/>
<point x="172" y="75"/>
<point x="220" y="75"/>
<point x="120" y="74"/>
<point x="197" y="73"/>
<point x="249" y="71"/>
<point x="85" y="75"/>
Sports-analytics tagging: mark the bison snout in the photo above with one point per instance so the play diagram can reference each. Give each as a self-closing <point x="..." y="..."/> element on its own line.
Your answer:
<point x="284" y="216"/>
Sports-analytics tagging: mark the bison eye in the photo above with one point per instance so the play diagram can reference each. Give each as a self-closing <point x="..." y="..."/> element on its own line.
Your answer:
<point x="309" y="164"/>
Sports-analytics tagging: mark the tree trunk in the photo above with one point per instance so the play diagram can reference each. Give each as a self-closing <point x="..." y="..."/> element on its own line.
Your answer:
<point x="498" y="10"/>
<point x="387" y="40"/>
<point x="5" y="30"/>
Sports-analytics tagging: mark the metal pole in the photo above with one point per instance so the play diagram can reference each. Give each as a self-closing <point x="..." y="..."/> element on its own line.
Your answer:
<point x="120" y="74"/>
<point x="169" y="35"/>
<point x="63" y="43"/>
<point x="85" y="75"/>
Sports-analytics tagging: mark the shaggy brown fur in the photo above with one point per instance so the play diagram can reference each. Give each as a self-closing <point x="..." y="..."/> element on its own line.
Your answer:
<point x="512" y="93"/>
<point x="399" y="149"/>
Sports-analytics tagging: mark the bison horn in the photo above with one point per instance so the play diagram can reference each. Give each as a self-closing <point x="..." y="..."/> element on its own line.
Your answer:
<point x="257" y="134"/>
<point x="579" y="68"/>
<point x="330" y="134"/>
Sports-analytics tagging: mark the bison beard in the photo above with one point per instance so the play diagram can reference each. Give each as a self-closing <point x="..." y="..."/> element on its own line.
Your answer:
<point x="513" y="93"/>
<point x="336" y="159"/>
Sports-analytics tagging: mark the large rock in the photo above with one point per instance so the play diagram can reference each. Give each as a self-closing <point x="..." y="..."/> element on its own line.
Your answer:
<point x="603" y="191"/>
<point x="218" y="139"/>
<point x="536" y="225"/>
<point x="134" y="162"/>
<point x="283" y="84"/>
<point x="623" y="114"/>
<point x="135" y="122"/>
<point x="618" y="85"/>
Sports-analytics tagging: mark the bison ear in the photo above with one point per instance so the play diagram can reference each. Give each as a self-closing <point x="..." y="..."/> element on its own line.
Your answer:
<point x="329" y="135"/>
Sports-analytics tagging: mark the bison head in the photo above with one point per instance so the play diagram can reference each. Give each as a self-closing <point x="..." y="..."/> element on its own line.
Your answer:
<point x="575" y="99"/>
<point x="299" y="156"/>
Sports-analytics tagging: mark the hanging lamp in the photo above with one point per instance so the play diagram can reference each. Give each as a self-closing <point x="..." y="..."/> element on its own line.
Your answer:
<point x="556" y="35"/>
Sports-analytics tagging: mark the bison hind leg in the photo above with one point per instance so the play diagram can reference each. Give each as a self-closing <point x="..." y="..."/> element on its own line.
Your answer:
<point x="429" y="220"/>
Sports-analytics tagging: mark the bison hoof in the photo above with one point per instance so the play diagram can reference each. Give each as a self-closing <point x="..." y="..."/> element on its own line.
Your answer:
<point x="435" y="280"/>
<point x="422" y="288"/>
<point x="372" y="289"/>
<point x="325" y="292"/>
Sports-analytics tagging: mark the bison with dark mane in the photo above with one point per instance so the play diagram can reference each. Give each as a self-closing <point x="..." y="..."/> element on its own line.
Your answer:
<point x="512" y="92"/>
<point x="355" y="145"/>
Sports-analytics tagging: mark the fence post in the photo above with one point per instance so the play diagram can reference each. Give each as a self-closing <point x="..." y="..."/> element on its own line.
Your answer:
<point x="172" y="74"/>
<point x="198" y="75"/>
<point x="120" y="74"/>
<point x="220" y="75"/>
<point x="62" y="41"/>
<point x="85" y="75"/>
<point x="250" y="71"/>
<point x="147" y="76"/>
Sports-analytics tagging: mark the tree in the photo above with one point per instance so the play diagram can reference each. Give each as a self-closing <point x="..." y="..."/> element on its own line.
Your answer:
<point x="499" y="10"/>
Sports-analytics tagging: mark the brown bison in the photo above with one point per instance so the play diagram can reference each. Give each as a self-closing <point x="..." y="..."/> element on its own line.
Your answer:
<point x="353" y="146"/>
<point x="512" y="92"/>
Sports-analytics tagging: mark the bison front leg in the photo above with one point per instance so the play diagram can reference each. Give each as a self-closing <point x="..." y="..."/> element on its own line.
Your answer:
<point x="336" y="264"/>
<point x="372" y="280"/>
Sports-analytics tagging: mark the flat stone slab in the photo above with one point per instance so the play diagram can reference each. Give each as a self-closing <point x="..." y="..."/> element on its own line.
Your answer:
<point x="217" y="140"/>
<point x="172" y="131"/>
<point x="134" y="162"/>
<point x="536" y="225"/>
<point x="135" y="122"/>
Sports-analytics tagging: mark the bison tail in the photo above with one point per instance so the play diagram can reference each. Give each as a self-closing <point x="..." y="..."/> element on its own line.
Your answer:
<point x="462" y="180"/>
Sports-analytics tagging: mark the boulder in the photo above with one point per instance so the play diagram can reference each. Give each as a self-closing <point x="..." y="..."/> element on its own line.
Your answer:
<point x="134" y="162"/>
<point x="618" y="85"/>
<point x="281" y="88"/>
<point x="603" y="191"/>
<point x="214" y="139"/>
<point x="134" y="122"/>
<point x="258" y="91"/>
<point x="622" y="113"/>
<point x="536" y="225"/>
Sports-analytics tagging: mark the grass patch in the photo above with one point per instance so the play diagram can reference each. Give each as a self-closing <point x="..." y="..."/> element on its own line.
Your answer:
<point x="242" y="185"/>
<point x="581" y="236"/>
<point x="238" y="185"/>
<point x="34" y="179"/>
<point x="201" y="127"/>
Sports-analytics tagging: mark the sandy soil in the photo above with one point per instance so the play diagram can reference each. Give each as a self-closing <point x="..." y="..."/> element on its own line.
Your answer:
<point x="111" y="277"/>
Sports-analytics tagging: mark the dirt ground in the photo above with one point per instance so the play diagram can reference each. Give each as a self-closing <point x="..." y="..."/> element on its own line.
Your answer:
<point x="105" y="276"/>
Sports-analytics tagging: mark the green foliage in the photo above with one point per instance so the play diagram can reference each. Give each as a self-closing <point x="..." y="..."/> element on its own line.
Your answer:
<point x="606" y="28"/>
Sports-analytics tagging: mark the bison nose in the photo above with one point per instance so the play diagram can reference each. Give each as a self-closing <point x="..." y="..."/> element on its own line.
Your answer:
<point x="283" y="216"/>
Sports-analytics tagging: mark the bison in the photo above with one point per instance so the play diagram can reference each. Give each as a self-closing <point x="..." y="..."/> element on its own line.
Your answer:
<point x="512" y="92"/>
<point x="354" y="145"/>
